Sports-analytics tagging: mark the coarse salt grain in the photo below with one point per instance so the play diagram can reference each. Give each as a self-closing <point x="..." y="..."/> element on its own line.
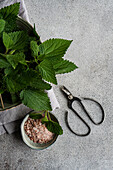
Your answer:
<point x="37" y="132"/>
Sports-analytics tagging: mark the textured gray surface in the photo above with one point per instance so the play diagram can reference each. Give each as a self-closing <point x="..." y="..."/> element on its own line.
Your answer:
<point x="90" y="25"/>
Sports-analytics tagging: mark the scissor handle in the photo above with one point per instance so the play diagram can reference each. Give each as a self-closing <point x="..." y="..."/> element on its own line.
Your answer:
<point x="82" y="135"/>
<point x="101" y="108"/>
<point x="67" y="122"/>
<point x="80" y="102"/>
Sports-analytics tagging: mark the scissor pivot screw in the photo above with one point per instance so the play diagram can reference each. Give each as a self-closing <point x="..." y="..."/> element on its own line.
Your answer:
<point x="70" y="97"/>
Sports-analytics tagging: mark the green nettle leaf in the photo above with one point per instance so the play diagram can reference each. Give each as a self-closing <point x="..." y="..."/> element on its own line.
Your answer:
<point x="34" y="115"/>
<point x="54" y="127"/>
<point x="12" y="85"/>
<point x="8" y="70"/>
<point x="26" y="78"/>
<point x="9" y="14"/>
<point x="47" y="72"/>
<point x="16" y="58"/>
<point x="33" y="79"/>
<point x="4" y="63"/>
<point x="35" y="99"/>
<point x="8" y="42"/>
<point x="15" y="40"/>
<point x="10" y="24"/>
<point x="19" y="39"/>
<point x="10" y="10"/>
<point x="34" y="48"/>
<point x="14" y="79"/>
<point x="2" y="25"/>
<point x="54" y="48"/>
<point x="64" y="66"/>
<point x="38" y="83"/>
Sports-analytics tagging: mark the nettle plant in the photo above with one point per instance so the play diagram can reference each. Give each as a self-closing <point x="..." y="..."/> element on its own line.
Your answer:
<point x="28" y="66"/>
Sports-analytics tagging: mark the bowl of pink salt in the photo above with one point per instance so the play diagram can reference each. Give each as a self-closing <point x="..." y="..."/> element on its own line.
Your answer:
<point x="35" y="134"/>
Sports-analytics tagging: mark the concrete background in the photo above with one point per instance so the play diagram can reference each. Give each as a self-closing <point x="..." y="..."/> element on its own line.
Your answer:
<point x="89" y="23"/>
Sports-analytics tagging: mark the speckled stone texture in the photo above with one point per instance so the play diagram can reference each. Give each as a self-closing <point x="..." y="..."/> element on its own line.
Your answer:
<point x="90" y="25"/>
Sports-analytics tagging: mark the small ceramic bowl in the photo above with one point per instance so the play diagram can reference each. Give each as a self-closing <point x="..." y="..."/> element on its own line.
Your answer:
<point x="30" y="143"/>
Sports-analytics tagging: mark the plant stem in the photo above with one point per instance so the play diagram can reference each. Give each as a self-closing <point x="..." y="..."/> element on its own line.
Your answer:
<point x="36" y="61"/>
<point x="45" y="113"/>
<point x="6" y="51"/>
<point x="1" y="101"/>
<point x="49" y="116"/>
<point x="28" y="61"/>
<point x="12" y="51"/>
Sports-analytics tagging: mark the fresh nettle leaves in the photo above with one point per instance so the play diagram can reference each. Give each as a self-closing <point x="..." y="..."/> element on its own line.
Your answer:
<point x="64" y="66"/>
<point x="54" y="48"/>
<point x="15" y="40"/>
<point x="35" y="115"/>
<point x="47" y="72"/>
<point x="2" y="25"/>
<point x="9" y="10"/>
<point x="9" y="15"/>
<point x="28" y="66"/>
<point x="38" y="100"/>
<point x="15" y="59"/>
<point x="51" y="125"/>
<point x="34" y="48"/>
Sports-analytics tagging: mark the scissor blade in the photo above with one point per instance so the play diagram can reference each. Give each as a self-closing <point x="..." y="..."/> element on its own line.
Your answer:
<point x="66" y="91"/>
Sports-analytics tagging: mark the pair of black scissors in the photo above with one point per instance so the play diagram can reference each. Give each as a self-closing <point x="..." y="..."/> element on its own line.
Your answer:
<point x="71" y="99"/>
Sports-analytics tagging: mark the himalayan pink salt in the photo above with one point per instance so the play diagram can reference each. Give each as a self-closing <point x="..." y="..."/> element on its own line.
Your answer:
<point x="37" y="132"/>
